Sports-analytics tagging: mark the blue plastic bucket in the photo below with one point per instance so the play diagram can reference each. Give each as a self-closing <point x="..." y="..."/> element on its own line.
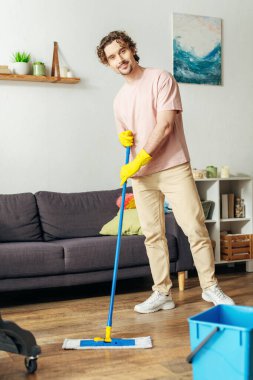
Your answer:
<point x="222" y="338"/>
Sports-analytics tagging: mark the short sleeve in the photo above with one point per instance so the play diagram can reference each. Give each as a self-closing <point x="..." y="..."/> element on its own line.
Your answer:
<point x="119" y="123"/>
<point x="168" y="98"/>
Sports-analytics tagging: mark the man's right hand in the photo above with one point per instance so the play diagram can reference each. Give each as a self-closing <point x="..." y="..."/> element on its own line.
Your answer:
<point x="126" y="138"/>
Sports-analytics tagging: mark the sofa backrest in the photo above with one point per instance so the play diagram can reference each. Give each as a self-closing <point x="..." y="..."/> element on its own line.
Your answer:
<point x="72" y="215"/>
<point x="19" y="219"/>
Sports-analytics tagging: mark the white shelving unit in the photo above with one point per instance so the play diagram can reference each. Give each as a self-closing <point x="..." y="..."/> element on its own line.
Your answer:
<point x="211" y="189"/>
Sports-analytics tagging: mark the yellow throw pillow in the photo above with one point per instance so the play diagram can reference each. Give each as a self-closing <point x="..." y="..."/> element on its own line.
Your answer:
<point x="130" y="226"/>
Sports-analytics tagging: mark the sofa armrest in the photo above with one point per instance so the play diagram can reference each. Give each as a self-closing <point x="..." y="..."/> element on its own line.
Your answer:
<point x="185" y="260"/>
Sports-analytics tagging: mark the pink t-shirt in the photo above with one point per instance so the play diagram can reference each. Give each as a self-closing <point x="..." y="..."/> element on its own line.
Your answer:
<point x="135" y="108"/>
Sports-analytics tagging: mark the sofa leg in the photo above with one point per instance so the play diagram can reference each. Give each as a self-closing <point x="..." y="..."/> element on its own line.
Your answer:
<point x="181" y="279"/>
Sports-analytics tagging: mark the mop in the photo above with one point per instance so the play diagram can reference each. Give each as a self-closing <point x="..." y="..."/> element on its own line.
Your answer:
<point x="108" y="342"/>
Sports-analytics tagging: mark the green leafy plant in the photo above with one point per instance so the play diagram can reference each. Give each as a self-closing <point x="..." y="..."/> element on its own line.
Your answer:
<point x="38" y="63"/>
<point x="21" y="57"/>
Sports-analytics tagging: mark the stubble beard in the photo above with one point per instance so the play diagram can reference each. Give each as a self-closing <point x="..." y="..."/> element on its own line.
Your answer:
<point x="130" y="69"/>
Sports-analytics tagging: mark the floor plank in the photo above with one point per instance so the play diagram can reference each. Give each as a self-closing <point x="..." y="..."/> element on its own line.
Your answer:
<point x="53" y="318"/>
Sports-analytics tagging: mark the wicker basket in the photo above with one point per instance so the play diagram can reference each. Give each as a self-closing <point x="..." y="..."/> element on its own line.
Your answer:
<point x="236" y="247"/>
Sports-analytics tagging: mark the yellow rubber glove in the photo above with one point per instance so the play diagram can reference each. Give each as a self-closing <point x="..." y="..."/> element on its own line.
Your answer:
<point x="126" y="138"/>
<point x="130" y="169"/>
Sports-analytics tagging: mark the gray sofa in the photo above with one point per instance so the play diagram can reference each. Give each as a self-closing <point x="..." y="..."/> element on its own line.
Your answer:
<point x="51" y="239"/>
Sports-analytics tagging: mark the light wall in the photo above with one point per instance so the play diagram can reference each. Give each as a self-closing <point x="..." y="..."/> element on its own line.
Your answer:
<point x="62" y="137"/>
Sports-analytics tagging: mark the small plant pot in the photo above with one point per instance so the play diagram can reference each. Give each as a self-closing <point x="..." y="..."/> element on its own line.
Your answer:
<point x="39" y="69"/>
<point x="21" y="68"/>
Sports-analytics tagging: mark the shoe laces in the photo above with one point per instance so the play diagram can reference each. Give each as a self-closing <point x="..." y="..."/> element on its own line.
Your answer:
<point x="219" y="292"/>
<point x="154" y="296"/>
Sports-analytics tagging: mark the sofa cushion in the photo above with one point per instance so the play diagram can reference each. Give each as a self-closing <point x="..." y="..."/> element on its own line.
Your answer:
<point x="73" y="215"/>
<point x="97" y="253"/>
<point x="30" y="259"/>
<point x="19" y="219"/>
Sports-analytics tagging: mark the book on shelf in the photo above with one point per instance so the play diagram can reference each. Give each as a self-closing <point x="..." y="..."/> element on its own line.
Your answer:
<point x="4" y="69"/>
<point x="224" y="206"/>
<point x="231" y="205"/>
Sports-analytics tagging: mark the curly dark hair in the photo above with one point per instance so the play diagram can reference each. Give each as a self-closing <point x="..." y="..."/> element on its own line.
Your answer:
<point x="118" y="36"/>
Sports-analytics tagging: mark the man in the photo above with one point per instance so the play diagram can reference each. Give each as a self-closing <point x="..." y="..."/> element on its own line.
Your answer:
<point x="148" y="114"/>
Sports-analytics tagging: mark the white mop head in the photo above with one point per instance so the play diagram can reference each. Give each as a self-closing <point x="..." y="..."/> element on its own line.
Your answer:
<point x="90" y="344"/>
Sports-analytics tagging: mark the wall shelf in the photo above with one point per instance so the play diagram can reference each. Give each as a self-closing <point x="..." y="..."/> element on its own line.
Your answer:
<point x="234" y="220"/>
<point x="33" y="78"/>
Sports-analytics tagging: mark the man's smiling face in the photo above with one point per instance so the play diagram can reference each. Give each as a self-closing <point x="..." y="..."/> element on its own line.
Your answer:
<point x="120" y="57"/>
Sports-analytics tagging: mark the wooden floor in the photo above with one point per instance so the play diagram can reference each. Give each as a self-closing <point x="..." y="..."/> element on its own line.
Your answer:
<point x="54" y="316"/>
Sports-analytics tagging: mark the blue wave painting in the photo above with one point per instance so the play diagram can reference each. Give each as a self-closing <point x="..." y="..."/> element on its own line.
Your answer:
<point x="197" y="49"/>
<point x="190" y="68"/>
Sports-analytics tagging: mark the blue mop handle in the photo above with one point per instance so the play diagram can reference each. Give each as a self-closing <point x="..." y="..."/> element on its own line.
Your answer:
<point x="116" y="260"/>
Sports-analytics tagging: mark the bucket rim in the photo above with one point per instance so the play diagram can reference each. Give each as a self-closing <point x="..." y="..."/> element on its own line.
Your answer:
<point x="221" y="326"/>
<point x="194" y="319"/>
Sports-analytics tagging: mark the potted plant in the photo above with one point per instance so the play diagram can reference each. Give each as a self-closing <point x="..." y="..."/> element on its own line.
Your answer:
<point x="21" y="63"/>
<point x="39" y="68"/>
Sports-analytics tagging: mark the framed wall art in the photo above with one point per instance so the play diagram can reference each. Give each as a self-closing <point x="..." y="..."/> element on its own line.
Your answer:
<point x="197" y="49"/>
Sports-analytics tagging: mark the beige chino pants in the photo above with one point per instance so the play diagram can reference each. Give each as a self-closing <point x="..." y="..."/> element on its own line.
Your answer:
<point x="179" y="187"/>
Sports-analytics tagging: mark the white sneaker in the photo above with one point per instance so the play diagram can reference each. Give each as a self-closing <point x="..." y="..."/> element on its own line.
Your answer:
<point x="217" y="296"/>
<point x="157" y="301"/>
